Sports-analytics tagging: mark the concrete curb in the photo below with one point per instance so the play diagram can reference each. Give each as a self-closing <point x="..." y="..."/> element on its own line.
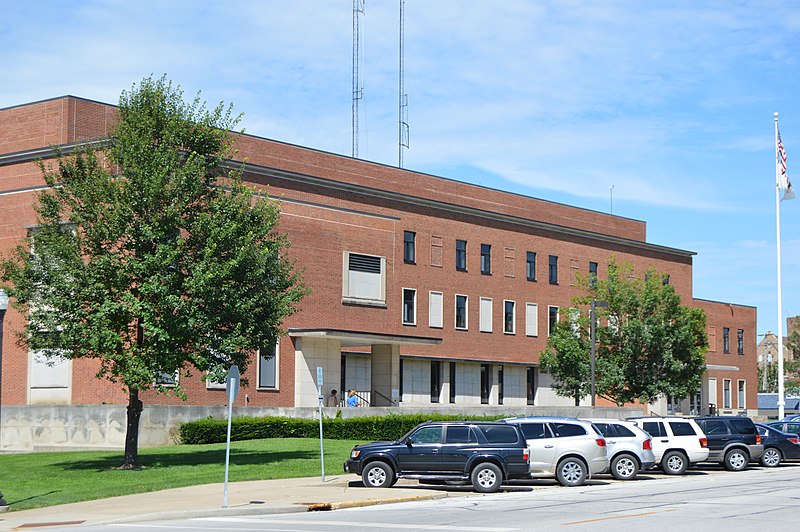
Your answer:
<point x="372" y="502"/>
<point x="261" y="510"/>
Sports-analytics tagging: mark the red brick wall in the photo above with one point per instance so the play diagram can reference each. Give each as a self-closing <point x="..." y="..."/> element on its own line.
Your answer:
<point x="322" y="223"/>
<point x="735" y="317"/>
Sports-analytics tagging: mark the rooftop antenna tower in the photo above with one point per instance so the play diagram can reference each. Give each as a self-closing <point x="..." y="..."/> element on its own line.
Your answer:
<point x="358" y="84"/>
<point x="403" y="131"/>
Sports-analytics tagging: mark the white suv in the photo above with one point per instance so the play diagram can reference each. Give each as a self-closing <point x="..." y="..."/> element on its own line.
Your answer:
<point x="630" y="449"/>
<point x="569" y="449"/>
<point x="678" y="442"/>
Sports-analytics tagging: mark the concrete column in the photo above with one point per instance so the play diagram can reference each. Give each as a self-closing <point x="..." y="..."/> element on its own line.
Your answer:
<point x="385" y="374"/>
<point x="309" y="354"/>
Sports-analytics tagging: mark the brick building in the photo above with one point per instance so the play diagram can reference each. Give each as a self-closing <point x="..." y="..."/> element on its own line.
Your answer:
<point x="426" y="290"/>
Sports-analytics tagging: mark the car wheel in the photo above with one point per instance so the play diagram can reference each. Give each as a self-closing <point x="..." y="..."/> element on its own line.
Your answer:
<point x="674" y="463"/>
<point x="624" y="467"/>
<point x="378" y="475"/>
<point x="486" y="478"/>
<point x="736" y="460"/>
<point x="571" y="472"/>
<point x="771" y="457"/>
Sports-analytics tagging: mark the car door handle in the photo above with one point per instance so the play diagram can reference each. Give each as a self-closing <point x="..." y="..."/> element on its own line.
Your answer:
<point x="664" y="441"/>
<point x="548" y="446"/>
<point x="435" y="450"/>
<point x="611" y="442"/>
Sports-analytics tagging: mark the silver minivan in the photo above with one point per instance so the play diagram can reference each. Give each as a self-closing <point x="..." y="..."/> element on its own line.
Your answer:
<point x="569" y="449"/>
<point x="630" y="449"/>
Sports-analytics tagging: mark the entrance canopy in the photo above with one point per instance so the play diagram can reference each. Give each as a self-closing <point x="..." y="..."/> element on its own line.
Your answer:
<point x="362" y="338"/>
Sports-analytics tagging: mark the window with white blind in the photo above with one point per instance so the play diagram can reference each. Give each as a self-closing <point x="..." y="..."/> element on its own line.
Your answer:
<point x="531" y="319"/>
<point x="486" y="314"/>
<point x="435" y="306"/>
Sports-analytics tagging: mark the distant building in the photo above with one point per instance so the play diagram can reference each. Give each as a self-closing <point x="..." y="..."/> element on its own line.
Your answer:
<point x="426" y="291"/>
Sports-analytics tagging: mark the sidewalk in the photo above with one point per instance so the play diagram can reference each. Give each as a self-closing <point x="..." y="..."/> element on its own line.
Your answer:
<point x="254" y="497"/>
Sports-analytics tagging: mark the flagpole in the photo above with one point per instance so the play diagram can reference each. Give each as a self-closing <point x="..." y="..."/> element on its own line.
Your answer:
<point x="781" y="401"/>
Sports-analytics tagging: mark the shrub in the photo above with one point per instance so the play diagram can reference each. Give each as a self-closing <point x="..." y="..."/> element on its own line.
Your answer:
<point x="374" y="428"/>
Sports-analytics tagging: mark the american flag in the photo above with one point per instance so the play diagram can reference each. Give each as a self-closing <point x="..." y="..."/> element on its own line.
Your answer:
<point x="783" y="179"/>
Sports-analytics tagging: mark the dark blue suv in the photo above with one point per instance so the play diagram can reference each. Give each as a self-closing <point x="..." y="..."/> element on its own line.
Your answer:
<point x="485" y="454"/>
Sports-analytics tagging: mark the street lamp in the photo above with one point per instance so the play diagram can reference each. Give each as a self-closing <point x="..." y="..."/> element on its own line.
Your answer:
<point x="3" y="308"/>
<point x="593" y="348"/>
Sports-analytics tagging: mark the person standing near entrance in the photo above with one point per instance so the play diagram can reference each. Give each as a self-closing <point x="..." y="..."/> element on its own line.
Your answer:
<point x="333" y="398"/>
<point x="352" y="399"/>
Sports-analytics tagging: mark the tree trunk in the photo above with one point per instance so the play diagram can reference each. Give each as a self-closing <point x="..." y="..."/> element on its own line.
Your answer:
<point x="132" y="432"/>
<point x="577" y="400"/>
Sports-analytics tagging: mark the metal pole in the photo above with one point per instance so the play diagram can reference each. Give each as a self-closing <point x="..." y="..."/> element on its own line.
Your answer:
<point x="321" y="448"/>
<point x="3" y="306"/>
<point x="227" y="452"/>
<point x="592" y="349"/>
<point x="781" y="400"/>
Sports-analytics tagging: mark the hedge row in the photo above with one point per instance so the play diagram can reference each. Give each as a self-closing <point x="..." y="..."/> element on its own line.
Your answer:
<point x="376" y="428"/>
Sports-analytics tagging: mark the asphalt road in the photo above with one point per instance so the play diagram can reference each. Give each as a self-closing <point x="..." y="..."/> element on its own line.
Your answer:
<point x="708" y="499"/>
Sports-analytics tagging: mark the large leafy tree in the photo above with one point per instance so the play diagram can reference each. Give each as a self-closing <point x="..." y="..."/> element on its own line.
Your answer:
<point x="150" y="256"/>
<point x="647" y="343"/>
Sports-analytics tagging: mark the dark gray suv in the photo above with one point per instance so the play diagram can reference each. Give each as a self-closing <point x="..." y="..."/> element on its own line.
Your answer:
<point x="485" y="454"/>
<point x="733" y="441"/>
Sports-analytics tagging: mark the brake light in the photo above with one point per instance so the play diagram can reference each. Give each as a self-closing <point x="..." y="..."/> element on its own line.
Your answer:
<point x="647" y="445"/>
<point x="794" y="440"/>
<point x="758" y="438"/>
<point x="600" y="442"/>
<point x="526" y="454"/>
<point x="704" y="443"/>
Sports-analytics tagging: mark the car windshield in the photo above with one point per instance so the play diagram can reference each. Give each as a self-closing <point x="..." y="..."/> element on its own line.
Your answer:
<point x="405" y="436"/>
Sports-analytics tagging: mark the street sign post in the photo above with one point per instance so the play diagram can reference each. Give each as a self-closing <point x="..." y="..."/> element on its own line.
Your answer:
<point x="320" y="398"/>
<point x="231" y="390"/>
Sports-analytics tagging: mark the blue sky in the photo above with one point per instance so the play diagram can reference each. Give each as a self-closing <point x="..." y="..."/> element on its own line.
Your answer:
<point x="670" y="103"/>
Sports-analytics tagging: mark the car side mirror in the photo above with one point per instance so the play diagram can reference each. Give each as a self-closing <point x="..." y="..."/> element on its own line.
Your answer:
<point x="409" y="442"/>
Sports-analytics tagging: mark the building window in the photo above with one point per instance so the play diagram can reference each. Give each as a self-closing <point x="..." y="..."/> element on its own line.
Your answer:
<point x="461" y="312"/>
<point x="593" y="274"/>
<point x="509" y="317"/>
<point x="486" y="259"/>
<point x="400" y="386"/>
<point x="531" y="319"/>
<point x="726" y="393"/>
<point x="486" y="383"/>
<point x="435" y="309"/>
<point x="531" y="385"/>
<point x="167" y="380"/>
<point x="461" y="255"/>
<point x="741" y="398"/>
<point x="500" y="385"/>
<point x="409" y="247"/>
<point x="452" y="382"/>
<point x="552" y="319"/>
<point x="436" y="380"/>
<point x="268" y="367"/>
<point x="409" y="306"/>
<point x="726" y="340"/>
<point x="530" y="265"/>
<point x="740" y="341"/>
<point x="486" y="315"/>
<point x="364" y="279"/>
<point x="553" y="269"/>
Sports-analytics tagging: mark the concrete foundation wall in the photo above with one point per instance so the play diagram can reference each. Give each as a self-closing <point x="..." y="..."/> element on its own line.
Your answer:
<point x="48" y="428"/>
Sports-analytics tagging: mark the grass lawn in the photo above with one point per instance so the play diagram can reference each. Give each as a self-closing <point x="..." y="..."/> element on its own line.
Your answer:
<point x="34" y="480"/>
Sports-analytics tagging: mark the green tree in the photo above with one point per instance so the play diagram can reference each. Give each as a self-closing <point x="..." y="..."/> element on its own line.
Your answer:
<point x="150" y="256"/>
<point x="647" y="343"/>
<point x="567" y="358"/>
<point x="651" y="344"/>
